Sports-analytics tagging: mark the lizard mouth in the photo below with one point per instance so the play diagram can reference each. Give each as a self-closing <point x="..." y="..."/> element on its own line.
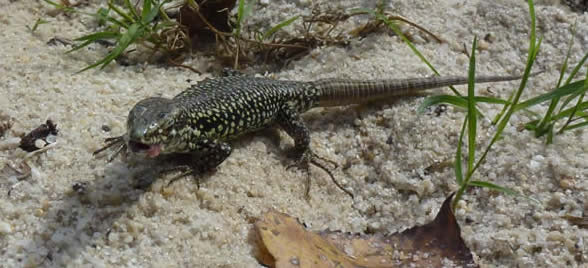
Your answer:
<point x="152" y="150"/>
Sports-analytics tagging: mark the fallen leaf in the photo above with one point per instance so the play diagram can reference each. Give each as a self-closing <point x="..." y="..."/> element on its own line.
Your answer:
<point x="581" y="222"/>
<point x="289" y="244"/>
<point x="214" y="12"/>
<point x="27" y="142"/>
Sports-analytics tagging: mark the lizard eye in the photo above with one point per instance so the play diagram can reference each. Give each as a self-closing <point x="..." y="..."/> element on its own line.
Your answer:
<point x="161" y="115"/>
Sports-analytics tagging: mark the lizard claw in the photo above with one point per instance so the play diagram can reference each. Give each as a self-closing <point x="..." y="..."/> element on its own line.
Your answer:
<point x="186" y="172"/>
<point x="309" y="157"/>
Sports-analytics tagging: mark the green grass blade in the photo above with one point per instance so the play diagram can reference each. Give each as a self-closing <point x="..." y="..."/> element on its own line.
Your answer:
<point x="279" y="26"/>
<point x="59" y="6"/>
<point x="240" y="11"/>
<point x="37" y="23"/>
<point x="573" y="88"/>
<point x="118" y="23"/>
<point x="132" y="11"/>
<point x="546" y="124"/>
<point x="99" y="36"/>
<point x="533" y="50"/>
<point x="437" y="99"/>
<point x="362" y="10"/>
<point x="457" y="163"/>
<point x="91" y="38"/>
<point x="570" y="98"/>
<point x="472" y="111"/>
<point x="472" y="121"/>
<point x="567" y="112"/>
<point x="243" y="10"/>
<point x="549" y="134"/>
<point x="397" y="31"/>
<point x="572" y="75"/>
<point x="577" y="68"/>
<point x="491" y="100"/>
<point x="532" y="125"/>
<point x="102" y="16"/>
<point x="575" y="108"/>
<point x="125" y="16"/>
<point x="146" y="10"/>
<point x="564" y="65"/>
<point x="579" y="108"/>
<point x="148" y="17"/>
<point x="502" y="189"/>
<point x="125" y="40"/>
<point x="456" y="101"/>
<point x="579" y="125"/>
<point x="84" y="44"/>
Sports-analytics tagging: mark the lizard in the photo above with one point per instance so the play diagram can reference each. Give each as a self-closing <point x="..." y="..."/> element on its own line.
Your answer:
<point x="201" y="121"/>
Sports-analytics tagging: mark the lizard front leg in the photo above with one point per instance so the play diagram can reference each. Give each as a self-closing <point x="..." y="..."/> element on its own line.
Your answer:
<point x="206" y="156"/>
<point x="290" y="120"/>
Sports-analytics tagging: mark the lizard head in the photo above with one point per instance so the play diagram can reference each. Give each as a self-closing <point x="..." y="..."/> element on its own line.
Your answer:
<point x="150" y="126"/>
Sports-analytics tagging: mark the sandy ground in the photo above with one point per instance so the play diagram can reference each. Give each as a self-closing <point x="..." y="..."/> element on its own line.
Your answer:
<point x="385" y="150"/>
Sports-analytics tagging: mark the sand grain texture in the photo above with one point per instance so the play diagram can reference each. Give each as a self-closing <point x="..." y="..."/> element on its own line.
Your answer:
<point x="385" y="149"/>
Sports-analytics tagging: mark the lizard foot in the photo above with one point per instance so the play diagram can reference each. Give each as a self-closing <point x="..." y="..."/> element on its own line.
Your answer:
<point x="308" y="157"/>
<point x="184" y="172"/>
<point x="190" y="165"/>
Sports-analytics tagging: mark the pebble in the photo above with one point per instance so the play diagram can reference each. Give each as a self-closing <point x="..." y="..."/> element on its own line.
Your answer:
<point x="39" y="143"/>
<point x="5" y="228"/>
<point x="566" y="184"/>
<point x="10" y="143"/>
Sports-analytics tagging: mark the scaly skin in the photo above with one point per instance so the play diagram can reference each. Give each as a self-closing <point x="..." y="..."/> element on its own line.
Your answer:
<point x="203" y="119"/>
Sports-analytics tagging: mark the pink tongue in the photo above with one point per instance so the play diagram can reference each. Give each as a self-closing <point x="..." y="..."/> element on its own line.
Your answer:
<point x="154" y="150"/>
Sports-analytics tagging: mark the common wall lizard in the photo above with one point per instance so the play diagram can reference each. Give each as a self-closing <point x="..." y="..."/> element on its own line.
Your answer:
<point x="202" y="120"/>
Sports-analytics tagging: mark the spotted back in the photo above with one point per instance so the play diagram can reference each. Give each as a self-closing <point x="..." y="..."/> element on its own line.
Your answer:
<point x="223" y="108"/>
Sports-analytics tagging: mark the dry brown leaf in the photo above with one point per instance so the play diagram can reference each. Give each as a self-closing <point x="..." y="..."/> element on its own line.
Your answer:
<point x="435" y="244"/>
<point x="215" y="12"/>
<point x="27" y="142"/>
<point x="581" y="222"/>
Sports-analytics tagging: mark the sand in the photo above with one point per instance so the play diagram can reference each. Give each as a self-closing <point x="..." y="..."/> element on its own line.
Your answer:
<point x="384" y="151"/>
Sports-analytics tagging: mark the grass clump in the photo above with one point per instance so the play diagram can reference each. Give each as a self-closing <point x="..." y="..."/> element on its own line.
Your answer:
<point x="574" y="117"/>
<point x="570" y="91"/>
<point x="129" y="26"/>
<point x="198" y="22"/>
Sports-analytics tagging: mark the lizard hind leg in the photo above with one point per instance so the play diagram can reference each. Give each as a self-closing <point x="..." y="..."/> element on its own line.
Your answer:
<point x="292" y="123"/>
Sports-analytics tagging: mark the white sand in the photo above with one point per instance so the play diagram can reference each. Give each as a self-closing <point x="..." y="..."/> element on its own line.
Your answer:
<point x="383" y="148"/>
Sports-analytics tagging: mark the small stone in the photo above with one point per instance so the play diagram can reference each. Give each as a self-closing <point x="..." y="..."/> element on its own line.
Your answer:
<point x="5" y="228"/>
<point x="490" y="37"/>
<point x="39" y="143"/>
<point x="555" y="236"/>
<point x="483" y="45"/>
<point x="39" y="212"/>
<point x="461" y="204"/>
<point x="566" y="184"/>
<point x="534" y="165"/>
<point x="51" y="138"/>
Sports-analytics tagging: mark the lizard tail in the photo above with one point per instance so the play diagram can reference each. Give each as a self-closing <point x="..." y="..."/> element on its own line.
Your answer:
<point x="337" y="92"/>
